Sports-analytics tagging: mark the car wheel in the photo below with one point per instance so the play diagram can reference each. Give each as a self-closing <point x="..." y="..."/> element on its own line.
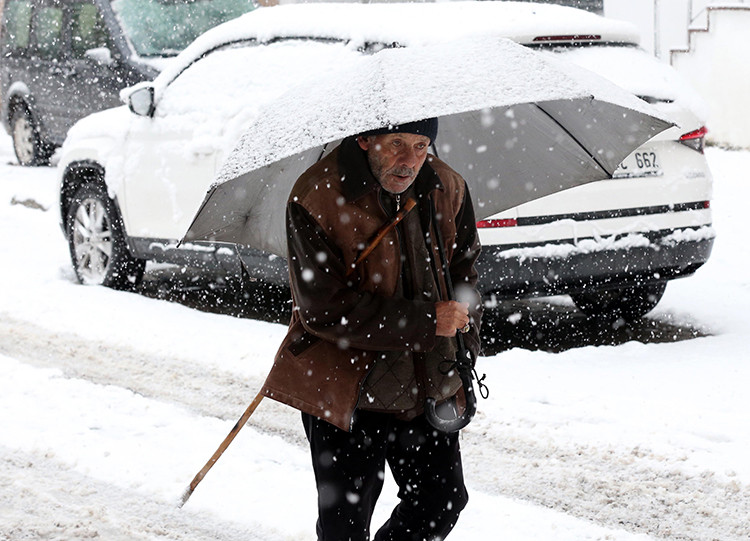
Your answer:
<point x="98" y="248"/>
<point x="628" y="303"/>
<point x="28" y="144"/>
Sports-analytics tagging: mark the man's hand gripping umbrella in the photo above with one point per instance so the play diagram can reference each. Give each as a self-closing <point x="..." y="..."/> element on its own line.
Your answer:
<point x="464" y="363"/>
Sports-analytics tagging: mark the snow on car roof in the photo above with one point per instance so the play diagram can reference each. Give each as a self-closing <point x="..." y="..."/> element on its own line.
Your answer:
<point x="417" y="23"/>
<point x="408" y="24"/>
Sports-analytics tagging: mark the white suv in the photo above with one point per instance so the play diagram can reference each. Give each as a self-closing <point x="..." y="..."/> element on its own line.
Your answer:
<point x="130" y="184"/>
<point x="614" y="244"/>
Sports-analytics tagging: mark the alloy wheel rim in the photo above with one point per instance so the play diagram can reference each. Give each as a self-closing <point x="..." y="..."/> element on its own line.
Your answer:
<point x="23" y="140"/>
<point x="92" y="241"/>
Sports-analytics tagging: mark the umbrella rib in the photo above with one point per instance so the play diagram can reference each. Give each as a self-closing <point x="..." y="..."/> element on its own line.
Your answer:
<point x="574" y="138"/>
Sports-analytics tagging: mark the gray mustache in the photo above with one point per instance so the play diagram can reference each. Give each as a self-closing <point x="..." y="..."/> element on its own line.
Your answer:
<point x="402" y="171"/>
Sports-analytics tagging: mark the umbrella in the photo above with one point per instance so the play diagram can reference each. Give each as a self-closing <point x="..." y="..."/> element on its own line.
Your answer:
<point x="517" y="124"/>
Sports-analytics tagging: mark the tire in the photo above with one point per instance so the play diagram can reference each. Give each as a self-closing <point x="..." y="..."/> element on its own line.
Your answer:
<point x="30" y="148"/>
<point x="98" y="249"/>
<point x="628" y="303"/>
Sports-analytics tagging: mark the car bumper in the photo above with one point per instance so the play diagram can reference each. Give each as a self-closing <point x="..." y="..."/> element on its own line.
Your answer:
<point x="570" y="268"/>
<point x="506" y="273"/>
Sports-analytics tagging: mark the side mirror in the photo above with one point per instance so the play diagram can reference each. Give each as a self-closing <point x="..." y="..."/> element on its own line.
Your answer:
<point x="141" y="101"/>
<point x="101" y="55"/>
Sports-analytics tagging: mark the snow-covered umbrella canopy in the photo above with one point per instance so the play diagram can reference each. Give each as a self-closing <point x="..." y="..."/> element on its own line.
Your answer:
<point x="516" y="124"/>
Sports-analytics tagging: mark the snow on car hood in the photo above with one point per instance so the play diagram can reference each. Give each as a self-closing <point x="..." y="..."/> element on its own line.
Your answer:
<point x="208" y="106"/>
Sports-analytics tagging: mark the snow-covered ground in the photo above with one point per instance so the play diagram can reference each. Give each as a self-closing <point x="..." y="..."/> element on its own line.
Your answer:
<point x="110" y="402"/>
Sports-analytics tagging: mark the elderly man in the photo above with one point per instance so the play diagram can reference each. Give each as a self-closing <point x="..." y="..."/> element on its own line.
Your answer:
<point x="372" y="335"/>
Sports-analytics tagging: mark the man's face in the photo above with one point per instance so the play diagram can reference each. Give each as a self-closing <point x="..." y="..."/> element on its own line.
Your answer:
<point x="395" y="158"/>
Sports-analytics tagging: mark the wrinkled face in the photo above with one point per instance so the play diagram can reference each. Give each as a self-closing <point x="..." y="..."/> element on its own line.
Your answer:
<point x="395" y="158"/>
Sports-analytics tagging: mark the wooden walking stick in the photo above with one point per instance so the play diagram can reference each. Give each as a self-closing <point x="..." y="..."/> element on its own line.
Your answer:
<point x="211" y="461"/>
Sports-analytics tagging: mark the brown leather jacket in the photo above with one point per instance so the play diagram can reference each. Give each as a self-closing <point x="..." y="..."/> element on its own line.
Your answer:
<point x="341" y="325"/>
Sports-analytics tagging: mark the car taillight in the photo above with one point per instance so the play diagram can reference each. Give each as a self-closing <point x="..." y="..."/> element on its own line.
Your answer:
<point x="506" y="222"/>
<point x="695" y="139"/>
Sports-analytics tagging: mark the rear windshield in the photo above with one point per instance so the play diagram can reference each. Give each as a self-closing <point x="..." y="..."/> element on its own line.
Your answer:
<point x="627" y="66"/>
<point x="166" y="27"/>
<point x="637" y="71"/>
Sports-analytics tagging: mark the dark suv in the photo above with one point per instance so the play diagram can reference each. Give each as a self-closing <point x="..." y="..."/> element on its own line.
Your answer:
<point x="64" y="59"/>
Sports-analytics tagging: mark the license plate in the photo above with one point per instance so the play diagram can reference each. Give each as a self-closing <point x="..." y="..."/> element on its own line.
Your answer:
<point x="642" y="163"/>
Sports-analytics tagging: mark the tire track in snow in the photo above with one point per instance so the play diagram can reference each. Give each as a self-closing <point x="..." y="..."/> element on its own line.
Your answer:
<point x="86" y="508"/>
<point x="209" y="392"/>
<point x="633" y="489"/>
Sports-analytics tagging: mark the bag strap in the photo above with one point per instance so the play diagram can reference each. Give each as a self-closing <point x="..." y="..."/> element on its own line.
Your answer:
<point x="381" y="233"/>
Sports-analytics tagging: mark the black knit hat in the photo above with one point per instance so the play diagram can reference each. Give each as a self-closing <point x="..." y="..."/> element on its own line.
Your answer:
<point x="427" y="127"/>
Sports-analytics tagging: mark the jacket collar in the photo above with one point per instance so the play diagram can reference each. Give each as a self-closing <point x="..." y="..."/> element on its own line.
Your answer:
<point x="358" y="180"/>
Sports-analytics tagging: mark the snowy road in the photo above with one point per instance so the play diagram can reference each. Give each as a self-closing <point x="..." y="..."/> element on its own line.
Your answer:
<point x="110" y="402"/>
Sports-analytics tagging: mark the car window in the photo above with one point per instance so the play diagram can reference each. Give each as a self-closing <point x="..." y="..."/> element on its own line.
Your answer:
<point x="88" y="30"/>
<point x="17" y="22"/>
<point x="47" y="32"/>
<point x="166" y="27"/>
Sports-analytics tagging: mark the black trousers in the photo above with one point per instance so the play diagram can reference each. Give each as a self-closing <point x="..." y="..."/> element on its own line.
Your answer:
<point x="350" y="469"/>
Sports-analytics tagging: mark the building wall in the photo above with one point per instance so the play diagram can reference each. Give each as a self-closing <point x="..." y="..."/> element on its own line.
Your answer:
<point x="663" y="23"/>
<point x="718" y="66"/>
<point x="706" y="41"/>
